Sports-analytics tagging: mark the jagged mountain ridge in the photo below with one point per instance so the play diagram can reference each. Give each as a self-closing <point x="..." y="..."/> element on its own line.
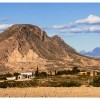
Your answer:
<point x="24" y="46"/>
<point x="35" y="39"/>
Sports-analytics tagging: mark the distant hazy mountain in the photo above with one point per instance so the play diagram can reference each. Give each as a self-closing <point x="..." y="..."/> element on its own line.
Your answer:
<point x="94" y="53"/>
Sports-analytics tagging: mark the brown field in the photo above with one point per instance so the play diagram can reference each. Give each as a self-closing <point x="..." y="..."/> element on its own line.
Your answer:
<point x="51" y="92"/>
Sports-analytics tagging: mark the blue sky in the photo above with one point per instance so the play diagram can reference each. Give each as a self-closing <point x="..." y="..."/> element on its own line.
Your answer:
<point x="78" y="24"/>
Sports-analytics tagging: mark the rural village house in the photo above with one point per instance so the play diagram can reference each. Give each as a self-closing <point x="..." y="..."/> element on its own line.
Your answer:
<point x="27" y="75"/>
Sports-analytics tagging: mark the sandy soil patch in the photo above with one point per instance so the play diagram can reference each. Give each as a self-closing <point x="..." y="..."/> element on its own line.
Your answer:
<point x="51" y="92"/>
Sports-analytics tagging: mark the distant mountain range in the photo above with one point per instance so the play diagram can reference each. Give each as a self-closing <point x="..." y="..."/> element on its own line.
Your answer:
<point x="94" y="53"/>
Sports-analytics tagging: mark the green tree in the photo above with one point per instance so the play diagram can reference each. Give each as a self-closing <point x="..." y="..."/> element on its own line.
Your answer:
<point x="9" y="75"/>
<point x="16" y="75"/>
<point x="37" y="72"/>
<point x="95" y="82"/>
<point x="43" y="74"/>
<point x="75" y="70"/>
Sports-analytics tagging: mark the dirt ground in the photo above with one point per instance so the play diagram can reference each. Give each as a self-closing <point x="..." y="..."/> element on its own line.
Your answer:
<point x="51" y="92"/>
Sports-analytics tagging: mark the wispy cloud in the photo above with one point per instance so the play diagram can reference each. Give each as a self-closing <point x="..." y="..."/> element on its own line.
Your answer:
<point x="4" y="19"/>
<point x="89" y="29"/>
<point x="65" y="26"/>
<point x="90" y="25"/>
<point x="4" y="26"/>
<point x="86" y="25"/>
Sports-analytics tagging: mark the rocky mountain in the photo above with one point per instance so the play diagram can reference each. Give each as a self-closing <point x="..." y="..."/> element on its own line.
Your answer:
<point x="94" y="53"/>
<point x="23" y="47"/>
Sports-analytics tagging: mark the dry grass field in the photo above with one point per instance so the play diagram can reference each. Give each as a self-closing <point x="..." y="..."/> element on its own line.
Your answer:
<point x="51" y="92"/>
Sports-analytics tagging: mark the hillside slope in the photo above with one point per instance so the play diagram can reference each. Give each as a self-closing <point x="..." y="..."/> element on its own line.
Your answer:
<point x="23" y="47"/>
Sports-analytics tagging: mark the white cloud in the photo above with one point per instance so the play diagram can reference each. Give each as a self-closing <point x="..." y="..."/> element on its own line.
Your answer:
<point x="63" y="26"/>
<point x="58" y="26"/>
<point x="4" y="26"/>
<point x="74" y="30"/>
<point x="94" y="29"/>
<point x="89" y="29"/>
<point x="91" y="19"/>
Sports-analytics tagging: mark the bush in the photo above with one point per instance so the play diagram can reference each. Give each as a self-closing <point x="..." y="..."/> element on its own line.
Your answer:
<point x="95" y="82"/>
<point x="65" y="84"/>
<point x="43" y="74"/>
<point x="16" y="74"/>
<point x="53" y="84"/>
<point x="70" y="84"/>
<point x="20" y="84"/>
<point x="3" y="84"/>
<point x="61" y="72"/>
<point x="9" y="75"/>
<point x="75" y="70"/>
<point x="2" y="77"/>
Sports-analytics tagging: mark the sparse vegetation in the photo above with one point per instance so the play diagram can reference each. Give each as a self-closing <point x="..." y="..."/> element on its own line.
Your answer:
<point x="95" y="82"/>
<point x="70" y="84"/>
<point x="65" y="84"/>
<point x="43" y="74"/>
<point x="9" y="75"/>
<point x="6" y="84"/>
<point x="3" y="77"/>
<point x="3" y="84"/>
<point x="74" y="71"/>
<point x="64" y="78"/>
<point x="16" y="74"/>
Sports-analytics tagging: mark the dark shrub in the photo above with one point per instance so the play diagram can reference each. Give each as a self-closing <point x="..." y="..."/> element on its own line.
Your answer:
<point x="61" y="72"/>
<point x="70" y="84"/>
<point x="95" y="82"/>
<point x="16" y="74"/>
<point x="9" y="75"/>
<point x="69" y="72"/>
<point x="64" y="84"/>
<point x="3" y="84"/>
<point x="98" y="73"/>
<point x="20" y="84"/>
<point x="43" y="74"/>
<point x="53" y="84"/>
<point x="75" y="70"/>
<point x="2" y="77"/>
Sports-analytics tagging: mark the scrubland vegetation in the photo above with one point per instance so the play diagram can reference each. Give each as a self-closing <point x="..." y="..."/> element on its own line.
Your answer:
<point x="64" y="78"/>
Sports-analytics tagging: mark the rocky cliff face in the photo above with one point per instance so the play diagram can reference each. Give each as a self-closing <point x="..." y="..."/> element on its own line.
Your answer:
<point x="24" y="46"/>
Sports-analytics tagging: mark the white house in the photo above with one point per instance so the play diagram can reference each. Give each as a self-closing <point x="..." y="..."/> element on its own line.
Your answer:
<point x="83" y="73"/>
<point x="11" y="78"/>
<point x="27" y="75"/>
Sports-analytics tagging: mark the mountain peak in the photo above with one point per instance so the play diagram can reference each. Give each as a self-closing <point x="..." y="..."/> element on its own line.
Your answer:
<point x="20" y="30"/>
<point x="23" y="25"/>
<point x="25" y="45"/>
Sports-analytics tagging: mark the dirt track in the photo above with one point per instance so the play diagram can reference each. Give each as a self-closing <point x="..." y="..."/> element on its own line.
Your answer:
<point x="51" y="92"/>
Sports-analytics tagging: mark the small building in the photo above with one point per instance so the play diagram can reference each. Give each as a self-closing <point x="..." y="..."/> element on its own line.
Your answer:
<point x="11" y="78"/>
<point x="27" y="75"/>
<point x="90" y="73"/>
<point x="82" y="73"/>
